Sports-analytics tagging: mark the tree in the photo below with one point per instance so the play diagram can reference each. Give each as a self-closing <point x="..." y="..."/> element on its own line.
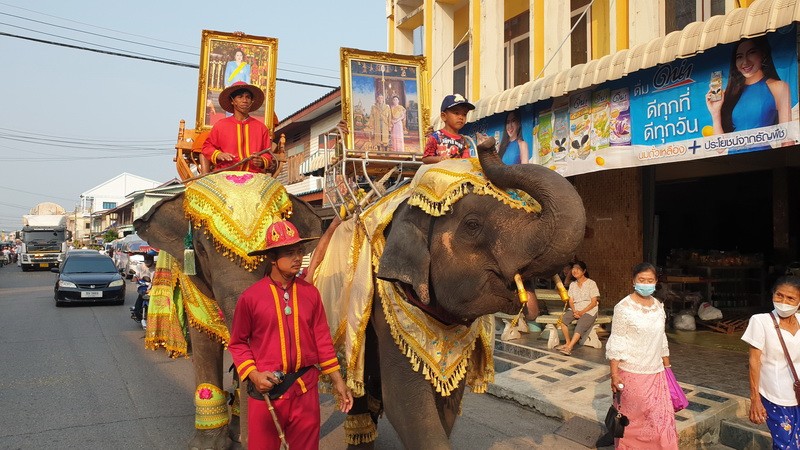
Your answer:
<point x="110" y="235"/>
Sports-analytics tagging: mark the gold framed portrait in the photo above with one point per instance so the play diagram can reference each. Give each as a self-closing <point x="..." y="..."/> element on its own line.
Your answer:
<point x="385" y="101"/>
<point x="226" y="58"/>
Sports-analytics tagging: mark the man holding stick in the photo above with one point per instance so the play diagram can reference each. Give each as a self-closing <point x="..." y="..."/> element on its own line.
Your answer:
<point x="239" y="136"/>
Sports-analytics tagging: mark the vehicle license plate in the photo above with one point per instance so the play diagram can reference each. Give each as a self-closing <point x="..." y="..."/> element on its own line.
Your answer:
<point x="91" y="294"/>
<point x="44" y="265"/>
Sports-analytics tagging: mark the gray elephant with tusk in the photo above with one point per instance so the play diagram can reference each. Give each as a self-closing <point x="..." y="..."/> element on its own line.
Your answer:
<point x="408" y="286"/>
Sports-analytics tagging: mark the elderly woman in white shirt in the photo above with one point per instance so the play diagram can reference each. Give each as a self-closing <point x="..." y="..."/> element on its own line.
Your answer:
<point x="583" y="301"/>
<point x="772" y="397"/>
<point x="638" y="353"/>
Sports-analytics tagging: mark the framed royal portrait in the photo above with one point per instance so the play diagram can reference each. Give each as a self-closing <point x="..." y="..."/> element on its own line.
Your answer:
<point x="226" y="58"/>
<point x="385" y="101"/>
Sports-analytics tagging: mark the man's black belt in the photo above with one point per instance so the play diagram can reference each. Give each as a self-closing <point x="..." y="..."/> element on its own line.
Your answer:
<point x="280" y="388"/>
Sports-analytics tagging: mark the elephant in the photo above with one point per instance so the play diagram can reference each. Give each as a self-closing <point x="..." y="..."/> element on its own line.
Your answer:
<point x="461" y="266"/>
<point x="461" y="263"/>
<point x="165" y="226"/>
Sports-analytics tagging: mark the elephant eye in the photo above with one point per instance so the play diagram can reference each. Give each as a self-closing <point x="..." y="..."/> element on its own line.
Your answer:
<point x="473" y="226"/>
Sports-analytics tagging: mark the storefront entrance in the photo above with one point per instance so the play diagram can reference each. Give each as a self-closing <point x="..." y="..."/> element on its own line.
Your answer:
<point x="727" y="229"/>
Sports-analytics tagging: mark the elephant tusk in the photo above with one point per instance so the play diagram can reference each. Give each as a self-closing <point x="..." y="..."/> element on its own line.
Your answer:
<point x="523" y="294"/>
<point x="562" y="291"/>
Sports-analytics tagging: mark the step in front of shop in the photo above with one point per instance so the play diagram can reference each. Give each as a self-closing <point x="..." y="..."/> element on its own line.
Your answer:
<point x="743" y="435"/>
<point x="564" y="387"/>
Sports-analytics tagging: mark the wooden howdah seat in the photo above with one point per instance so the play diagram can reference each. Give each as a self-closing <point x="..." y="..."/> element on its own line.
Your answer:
<point x="189" y="158"/>
<point x="354" y="179"/>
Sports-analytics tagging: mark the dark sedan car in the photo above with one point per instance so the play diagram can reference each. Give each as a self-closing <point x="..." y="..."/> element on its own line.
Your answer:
<point x="85" y="277"/>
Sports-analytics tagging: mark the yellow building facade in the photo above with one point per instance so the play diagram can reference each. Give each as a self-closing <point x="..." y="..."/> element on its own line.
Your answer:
<point x="532" y="56"/>
<point x="479" y="48"/>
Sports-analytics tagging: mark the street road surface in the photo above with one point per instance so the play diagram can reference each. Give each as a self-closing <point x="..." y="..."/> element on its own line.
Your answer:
<point x="79" y="377"/>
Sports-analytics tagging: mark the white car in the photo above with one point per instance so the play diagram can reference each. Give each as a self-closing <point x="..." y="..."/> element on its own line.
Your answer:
<point x="130" y="265"/>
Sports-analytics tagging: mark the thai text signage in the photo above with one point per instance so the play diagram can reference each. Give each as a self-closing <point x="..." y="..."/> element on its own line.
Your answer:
<point x="734" y="98"/>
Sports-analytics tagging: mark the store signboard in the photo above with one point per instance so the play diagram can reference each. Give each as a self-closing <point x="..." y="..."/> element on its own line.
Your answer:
<point x="694" y="108"/>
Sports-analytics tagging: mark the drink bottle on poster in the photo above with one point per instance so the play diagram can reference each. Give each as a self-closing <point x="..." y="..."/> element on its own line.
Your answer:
<point x="579" y="123"/>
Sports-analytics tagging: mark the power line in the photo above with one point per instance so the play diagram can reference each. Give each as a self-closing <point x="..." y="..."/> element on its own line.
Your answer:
<point x="32" y="133"/>
<point x="74" y="40"/>
<point x="97" y="34"/>
<point x="162" y="61"/>
<point x="77" y="145"/>
<point x="105" y="52"/>
<point x="147" y="37"/>
<point x="136" y="43"/>
<point x="36" y="193"/>
<point x="26" y="138"/>
<point x="90" y="158"/>
<point x="96" y="26"/>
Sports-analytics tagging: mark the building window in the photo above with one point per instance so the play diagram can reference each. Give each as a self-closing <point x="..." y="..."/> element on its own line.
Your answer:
<point x="418" y="35"/>
<point x="679" y="13"/>
<point x="461" y="69"/>
<point x="109" y="205"/>
<point x="516" y="62"/>
<point x="87" y="225"/>
<point x="581" y="37"/>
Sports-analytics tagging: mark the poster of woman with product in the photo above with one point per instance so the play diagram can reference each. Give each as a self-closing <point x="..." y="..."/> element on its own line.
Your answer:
<point x="755" y="96"/>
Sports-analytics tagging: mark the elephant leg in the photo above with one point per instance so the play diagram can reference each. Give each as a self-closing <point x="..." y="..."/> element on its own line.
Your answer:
<point x="409" y="400"/>
<point x="450" y="407"/>
<point x="211" y="416"/>
<point x="361" y="425"/>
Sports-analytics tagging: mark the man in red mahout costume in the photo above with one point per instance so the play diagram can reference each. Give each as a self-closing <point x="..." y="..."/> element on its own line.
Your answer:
<point x="236" y="137"/>
<point x="280" y="333"/>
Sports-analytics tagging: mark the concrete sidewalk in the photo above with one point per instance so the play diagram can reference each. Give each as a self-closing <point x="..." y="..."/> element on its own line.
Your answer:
<point x="714" y="380"/>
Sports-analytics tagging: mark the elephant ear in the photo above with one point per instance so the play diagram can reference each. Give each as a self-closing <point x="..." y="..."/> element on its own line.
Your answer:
<point x="165" y="226"/>
<point x="406" y="257"/>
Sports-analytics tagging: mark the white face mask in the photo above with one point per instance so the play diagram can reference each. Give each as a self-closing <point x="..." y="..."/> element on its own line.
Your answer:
<point x="784" y="310"/>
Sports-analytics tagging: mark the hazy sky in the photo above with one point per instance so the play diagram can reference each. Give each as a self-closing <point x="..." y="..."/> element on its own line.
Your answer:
<point x="72" y="119"/>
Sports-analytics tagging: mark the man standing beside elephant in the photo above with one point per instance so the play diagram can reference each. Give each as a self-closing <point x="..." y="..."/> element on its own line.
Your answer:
<point x="276" y="343"/>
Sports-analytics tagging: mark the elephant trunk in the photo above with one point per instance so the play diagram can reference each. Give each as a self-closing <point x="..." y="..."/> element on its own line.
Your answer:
<point x="560" y="228"/>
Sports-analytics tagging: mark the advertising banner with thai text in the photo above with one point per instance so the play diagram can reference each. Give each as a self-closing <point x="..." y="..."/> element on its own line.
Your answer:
<point x="734" y="98"/>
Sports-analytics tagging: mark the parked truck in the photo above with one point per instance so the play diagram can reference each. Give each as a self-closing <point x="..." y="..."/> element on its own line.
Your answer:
<point x="44" y="240"/>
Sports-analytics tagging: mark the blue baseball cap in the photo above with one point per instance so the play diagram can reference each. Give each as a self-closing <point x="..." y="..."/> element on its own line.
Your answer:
<point x="454" y="100"/>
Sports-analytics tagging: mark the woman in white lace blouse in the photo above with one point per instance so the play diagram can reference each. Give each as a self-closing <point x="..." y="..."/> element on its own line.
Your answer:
<point x="638" y="352"/>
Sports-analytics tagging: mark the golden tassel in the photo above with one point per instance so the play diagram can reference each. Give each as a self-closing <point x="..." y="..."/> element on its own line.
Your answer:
<point x="360" y="429"/>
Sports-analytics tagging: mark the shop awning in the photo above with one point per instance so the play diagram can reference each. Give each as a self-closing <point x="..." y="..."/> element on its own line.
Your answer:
<point x="307" y="186"/>
<point x="762" y="17"/>
<point x="312" y="163"/>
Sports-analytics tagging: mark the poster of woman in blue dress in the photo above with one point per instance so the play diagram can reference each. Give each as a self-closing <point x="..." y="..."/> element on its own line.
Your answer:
<point x="755" y="96"/>
<point x="513" y="149"/>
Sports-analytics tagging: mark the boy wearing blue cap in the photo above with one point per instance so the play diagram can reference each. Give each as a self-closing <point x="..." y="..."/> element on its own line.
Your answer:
<point x="447" y="143"/>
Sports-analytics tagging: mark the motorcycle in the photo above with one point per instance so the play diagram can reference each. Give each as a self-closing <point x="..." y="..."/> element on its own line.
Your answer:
<point x="143" y="286"/>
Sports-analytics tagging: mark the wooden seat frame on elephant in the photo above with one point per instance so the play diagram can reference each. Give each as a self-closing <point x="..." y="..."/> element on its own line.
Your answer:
<point x="380" y="171"/>
<point x="189" y="160"/>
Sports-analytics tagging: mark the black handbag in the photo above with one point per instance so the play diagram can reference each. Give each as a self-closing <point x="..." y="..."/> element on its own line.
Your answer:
<point x="615" y="423"/>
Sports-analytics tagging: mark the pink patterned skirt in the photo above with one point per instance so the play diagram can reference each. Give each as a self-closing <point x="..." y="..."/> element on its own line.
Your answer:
<point x="646" y="402"/>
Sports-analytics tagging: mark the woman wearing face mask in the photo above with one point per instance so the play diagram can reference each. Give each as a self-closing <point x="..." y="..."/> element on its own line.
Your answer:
<point x="772" y="397"/>
<point x="638" y="353"/>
